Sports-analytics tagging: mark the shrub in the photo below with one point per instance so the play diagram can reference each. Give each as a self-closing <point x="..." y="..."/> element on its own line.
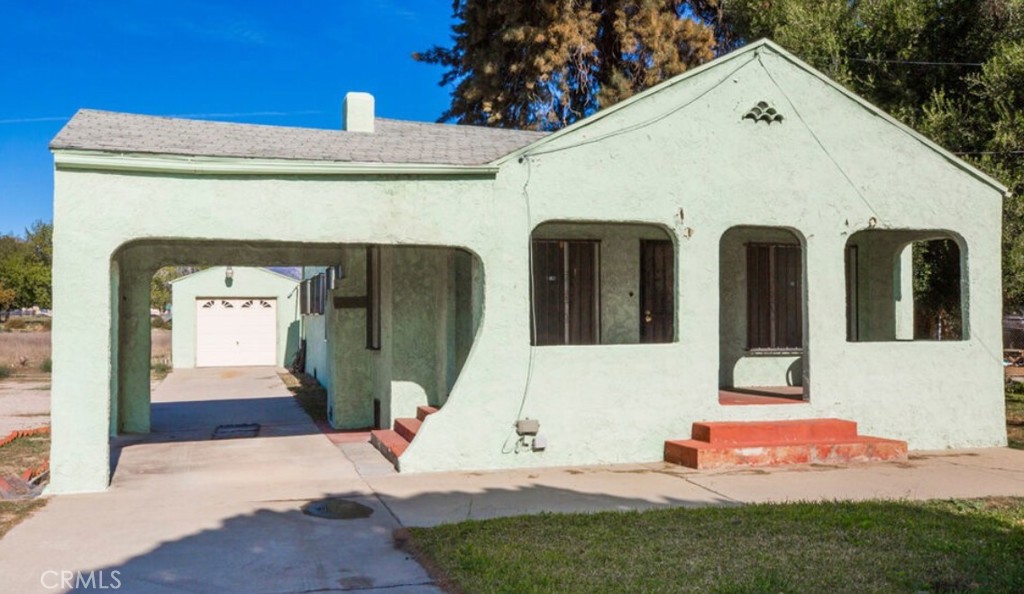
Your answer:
<point x="159" y="323"/>
<point x="5" y="371"/>
<point x="46" y="366"/>
<point x="15" y="324"/>
<point x="160" y="368"/>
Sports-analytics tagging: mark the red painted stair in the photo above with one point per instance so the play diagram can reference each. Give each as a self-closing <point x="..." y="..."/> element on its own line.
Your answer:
<point x="393" y="442"/>
<point x="773" y="443"/>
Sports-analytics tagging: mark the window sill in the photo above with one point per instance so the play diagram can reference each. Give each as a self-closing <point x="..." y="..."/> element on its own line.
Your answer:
<point x="764" y="352"/>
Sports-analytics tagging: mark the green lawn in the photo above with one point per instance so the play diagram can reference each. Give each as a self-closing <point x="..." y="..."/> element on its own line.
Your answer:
<point x="946" y="546"/>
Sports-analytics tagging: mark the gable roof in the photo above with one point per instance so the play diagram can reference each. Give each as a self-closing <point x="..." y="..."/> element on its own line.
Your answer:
<point x="394" y="141"/>
<point x="738" y="59"/>
<point x="398" y="142"/>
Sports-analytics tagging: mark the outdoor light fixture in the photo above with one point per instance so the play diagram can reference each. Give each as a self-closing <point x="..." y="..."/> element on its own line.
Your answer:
<point x="229" y="273"/>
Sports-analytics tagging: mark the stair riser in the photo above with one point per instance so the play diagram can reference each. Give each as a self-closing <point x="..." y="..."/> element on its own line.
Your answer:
<point x="422" y="412"/>
<point x="391" y="448"/>
<point x="701" y="456"/>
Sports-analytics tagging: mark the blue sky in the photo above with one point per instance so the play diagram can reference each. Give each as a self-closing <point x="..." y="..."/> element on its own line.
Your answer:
<point x="283" y="63"/>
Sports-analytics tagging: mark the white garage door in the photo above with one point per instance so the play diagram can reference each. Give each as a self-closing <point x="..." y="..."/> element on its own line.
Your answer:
<point x="236" y="332"/>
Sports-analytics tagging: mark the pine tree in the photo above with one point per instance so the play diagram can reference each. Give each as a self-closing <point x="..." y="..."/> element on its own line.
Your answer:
<point x="547" y="63"/>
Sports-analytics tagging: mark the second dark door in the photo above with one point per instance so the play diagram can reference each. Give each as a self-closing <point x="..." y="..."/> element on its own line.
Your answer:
<point x="657" y="287"/>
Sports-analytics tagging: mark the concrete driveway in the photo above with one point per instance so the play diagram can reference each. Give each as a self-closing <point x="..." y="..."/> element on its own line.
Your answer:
<point x="185" y="513"/>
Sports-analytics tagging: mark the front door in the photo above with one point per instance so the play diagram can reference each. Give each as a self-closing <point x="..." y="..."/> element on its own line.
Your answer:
<point x="657" y="280"/>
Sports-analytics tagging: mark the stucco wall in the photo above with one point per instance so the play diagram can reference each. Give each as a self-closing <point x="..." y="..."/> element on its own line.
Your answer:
<point x="246" y="282"/>
<point x="682" y="159"/>
<point x="426" y="334"/>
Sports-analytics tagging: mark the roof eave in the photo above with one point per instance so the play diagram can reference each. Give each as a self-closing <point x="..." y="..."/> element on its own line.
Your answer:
<point x="78" y="159"/>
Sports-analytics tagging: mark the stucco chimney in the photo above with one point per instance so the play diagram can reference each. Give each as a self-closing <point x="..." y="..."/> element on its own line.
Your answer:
<point x="357" y="112"/>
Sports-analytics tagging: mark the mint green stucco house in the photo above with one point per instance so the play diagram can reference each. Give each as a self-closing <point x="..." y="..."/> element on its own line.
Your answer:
<point x="743" y="227"/>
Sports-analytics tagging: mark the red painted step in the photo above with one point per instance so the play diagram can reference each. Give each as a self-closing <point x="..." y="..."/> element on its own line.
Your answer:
<point x="775" y="432"/>
<point x="772" y="443"/>
<point x="407" y="428"/>
<point x="389" y="442"/>
<point x="422" y="412"/>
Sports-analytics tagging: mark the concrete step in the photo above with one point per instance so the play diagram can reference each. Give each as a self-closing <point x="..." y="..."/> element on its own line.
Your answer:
<point x="774" y="443"/>
<point x="389" y="443"/>
<point x="422" y="412"/>
<point x="766" y="433"/>
<point x="703" y="455"/>
<point x="407" y="428"/>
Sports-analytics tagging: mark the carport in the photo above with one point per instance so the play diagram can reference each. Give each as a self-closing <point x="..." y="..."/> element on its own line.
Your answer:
<point x="122" y="215"/>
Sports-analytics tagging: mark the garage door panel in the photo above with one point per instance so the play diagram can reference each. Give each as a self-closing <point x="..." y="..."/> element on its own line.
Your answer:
<point x="236" y="332"/>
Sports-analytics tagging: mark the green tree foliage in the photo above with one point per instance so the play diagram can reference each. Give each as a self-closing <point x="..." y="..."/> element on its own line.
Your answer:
<point x="160" y="284"/>
<point x="25" y="267"/>
<point x="953" y="69"/>
<point x="546" y="64"/>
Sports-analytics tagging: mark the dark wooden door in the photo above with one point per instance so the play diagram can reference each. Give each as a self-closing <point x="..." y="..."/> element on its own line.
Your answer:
<point x="774" y="296"/>
<point x="657" y="291"/>
<point x="565" y="306"/>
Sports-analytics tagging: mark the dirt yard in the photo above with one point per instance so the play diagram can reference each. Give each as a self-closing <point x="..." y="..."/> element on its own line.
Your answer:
<point x="25" y="385"/>
<point x="27" y="351"/>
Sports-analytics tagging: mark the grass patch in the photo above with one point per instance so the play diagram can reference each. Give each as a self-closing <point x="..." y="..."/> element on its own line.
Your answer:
<point x="29" y="451"/>
<point x="28" y="323"/>
<point x="13" y="512"/>
<point x="939" y="546"/>
<point x="5" y="372"/>
<point x="46" y="366"/>
<point x="312" y="397"/>
<point x="1015" y="415"/>
<point x="158" y="370"/>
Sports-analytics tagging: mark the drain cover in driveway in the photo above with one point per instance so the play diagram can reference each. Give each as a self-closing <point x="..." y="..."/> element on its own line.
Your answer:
<point x="336" y="508"/>
<point x="233" y="431"/>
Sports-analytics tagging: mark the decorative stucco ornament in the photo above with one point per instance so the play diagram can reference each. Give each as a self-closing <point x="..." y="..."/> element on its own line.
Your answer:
<point x="763" y="112"/>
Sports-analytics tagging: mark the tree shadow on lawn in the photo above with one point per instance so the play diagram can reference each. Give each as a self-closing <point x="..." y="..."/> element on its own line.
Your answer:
<point x="946" y="546"/>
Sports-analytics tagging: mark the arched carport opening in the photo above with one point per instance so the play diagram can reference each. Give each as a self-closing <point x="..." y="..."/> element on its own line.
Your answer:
<point x="425" y="303"/>
<point x="762" y="316"/>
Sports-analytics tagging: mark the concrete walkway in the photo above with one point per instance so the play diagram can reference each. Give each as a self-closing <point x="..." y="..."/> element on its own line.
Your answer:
<point x="431" y="499"/>
<point x="189" y="514"/>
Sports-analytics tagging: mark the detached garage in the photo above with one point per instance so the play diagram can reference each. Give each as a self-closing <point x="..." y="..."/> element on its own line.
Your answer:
<point x="234" y="317"/>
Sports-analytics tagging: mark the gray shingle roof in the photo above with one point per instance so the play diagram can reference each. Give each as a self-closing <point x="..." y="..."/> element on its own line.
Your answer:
<point x="394" y="141"/>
